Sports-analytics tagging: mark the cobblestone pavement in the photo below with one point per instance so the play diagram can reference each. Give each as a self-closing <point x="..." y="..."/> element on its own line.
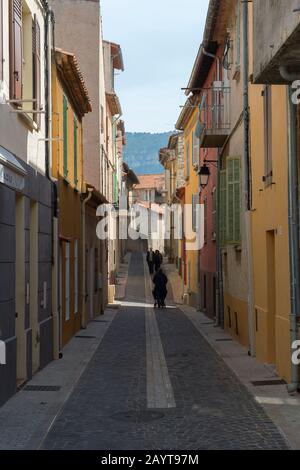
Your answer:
<point x="108" y="408"/>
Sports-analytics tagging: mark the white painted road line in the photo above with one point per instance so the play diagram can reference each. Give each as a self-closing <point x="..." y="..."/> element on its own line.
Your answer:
<point x="159" y="388"/>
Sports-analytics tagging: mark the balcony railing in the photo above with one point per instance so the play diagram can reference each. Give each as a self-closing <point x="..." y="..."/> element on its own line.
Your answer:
<point x="215" y="117"/>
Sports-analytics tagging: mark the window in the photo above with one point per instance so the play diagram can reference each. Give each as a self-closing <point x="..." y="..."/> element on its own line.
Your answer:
<point x="233" y="200"/>
<point x="16" y="50"/>
<point x="238" y="35"/>
<point x="196" y="149"/>
<point x="75" y="151"/>
<point x="195" y="214"/>
<point x="36" y="63"/>
<point x="187" y="161"/>
<point x="1" y="39"/>
<point x="65" y="131"/>
<point x="214" y="213"/>
<point x="67" y="281"/>
<point x="102" y="120"/>
<point x="223" y="207"/>
<point x="76" y="284"/>
<point x="96" y="270"/>
<point x="205" y="219"/>
<point x="268" y="134"/>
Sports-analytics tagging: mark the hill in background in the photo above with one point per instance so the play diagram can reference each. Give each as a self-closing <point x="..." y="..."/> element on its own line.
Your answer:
<point x="141" y="151"/>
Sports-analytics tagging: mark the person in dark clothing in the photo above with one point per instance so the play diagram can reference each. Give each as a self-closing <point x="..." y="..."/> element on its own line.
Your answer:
<point x="150" y="261"/>
<point x="160" y="292"/>
<point x="158" y="259"/>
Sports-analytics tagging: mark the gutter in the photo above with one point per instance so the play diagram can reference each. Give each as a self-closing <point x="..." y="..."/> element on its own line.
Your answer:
<point x="247" y="180"/>
<point x="294" y="239"/>
<point x="84" y="293"/>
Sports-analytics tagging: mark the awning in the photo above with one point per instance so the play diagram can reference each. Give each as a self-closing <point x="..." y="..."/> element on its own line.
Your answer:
<point x="12" y="173"/>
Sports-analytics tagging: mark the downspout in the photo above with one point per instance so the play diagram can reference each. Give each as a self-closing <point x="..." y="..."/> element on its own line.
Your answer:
<point x="247" y="179"/>
<point x="219" y="321"/>
<point x="49" y="22"/>
<point x="84" y="293"/>
<point x="293" y="190"/>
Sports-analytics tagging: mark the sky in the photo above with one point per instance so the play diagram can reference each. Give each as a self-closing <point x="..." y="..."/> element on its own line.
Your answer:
<point x="160" y="40"/>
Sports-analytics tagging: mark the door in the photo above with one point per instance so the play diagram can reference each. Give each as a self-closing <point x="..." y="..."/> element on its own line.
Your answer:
<point x="20" y="288"/>
<point x="271" y="292"/>
<point x="91" y="283"/>
<point x="33" y="288"/>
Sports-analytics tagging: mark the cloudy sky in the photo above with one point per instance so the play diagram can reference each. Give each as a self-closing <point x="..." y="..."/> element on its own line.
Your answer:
<point x="159" y="40"/>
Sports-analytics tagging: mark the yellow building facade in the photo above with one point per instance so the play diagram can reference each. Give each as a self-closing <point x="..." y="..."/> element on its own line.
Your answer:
<point x="69" y="104"/>
<point x="187" y="123"/>
<point x="270" y="237"/>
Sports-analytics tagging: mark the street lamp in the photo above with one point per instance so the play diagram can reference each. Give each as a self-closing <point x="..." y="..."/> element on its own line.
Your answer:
<point x="204" y="174"/>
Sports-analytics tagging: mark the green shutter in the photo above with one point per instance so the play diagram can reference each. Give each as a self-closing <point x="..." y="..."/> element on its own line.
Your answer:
<point x="223" y="206"/>
<point x="237" y="201"/>
<point x="65" y="130"/>
<point x="75" y="152"/>
<point x="233" y="200"/>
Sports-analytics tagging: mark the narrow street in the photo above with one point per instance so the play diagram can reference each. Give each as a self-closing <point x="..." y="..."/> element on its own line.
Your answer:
<point x="155" y="383"/>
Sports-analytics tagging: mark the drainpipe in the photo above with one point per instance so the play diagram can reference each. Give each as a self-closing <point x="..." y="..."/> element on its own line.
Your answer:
<point x="84" y="293"/>
<point x="247" y="180"/>
<point x="219" y="321"/>
<point x="49" y="41"/>
<point x="293" y="188"/>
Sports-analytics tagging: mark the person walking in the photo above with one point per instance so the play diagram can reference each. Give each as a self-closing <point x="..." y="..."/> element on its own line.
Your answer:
<point x="160" y="292"/>
<point x="158" y="259"/>
<point x="150" y="261"/>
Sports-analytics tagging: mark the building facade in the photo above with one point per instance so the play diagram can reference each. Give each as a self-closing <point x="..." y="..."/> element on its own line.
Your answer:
<point x="70" y="102"/>
<point x="25" y="196"/>
<point x="78" y="29"/>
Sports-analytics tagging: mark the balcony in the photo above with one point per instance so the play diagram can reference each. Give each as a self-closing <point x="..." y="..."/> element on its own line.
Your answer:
<point x="214" y="126"/>
<point x="276" y="41"/>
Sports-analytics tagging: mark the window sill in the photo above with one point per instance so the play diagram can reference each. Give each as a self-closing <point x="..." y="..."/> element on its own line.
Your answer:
<point x="28" y="121"/>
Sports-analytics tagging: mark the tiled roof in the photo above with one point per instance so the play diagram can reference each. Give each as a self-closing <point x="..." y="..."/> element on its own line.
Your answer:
<point x="151" y="182"/>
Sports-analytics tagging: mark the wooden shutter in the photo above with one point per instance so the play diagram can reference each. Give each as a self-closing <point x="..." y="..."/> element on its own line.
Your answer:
<point x="195" y="160"/>
<point x="223" y="207"/>
<point x="16" y="49"/>
<point x="75" y="151"/>
<point x="187" y="160"/>
<point x="65" y="130"/>
<point x="237" y="200"/>
<point x="36" y="55"/>
<point x="195" y="202"/>
<point x="205" y="219"/>
<point x="1" y="39"/>
<point x="268" y="134"/>
<point x="233" y="200"/>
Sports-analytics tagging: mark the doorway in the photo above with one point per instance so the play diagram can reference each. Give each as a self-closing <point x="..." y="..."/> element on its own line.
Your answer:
<point x="33" y="287"/>
<point x="20" y="289"/>
<point x="271" y="296"/>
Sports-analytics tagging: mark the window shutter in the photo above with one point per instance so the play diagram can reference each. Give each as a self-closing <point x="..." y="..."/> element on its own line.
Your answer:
<point x="1" y="39"/>
<point x="187" y="160"/>
<point x="65" y="129"/>
<point x="233" y="200"/>
<point x="223" y="207"/>
<point x="36" y="53"/>
<point x="268" y="134"/>
<point x="75" y="152"/>
<point x="237" y="201"/>
<point x="205" y="219"/>
<point x="16" y="53"/>
<point x="195" y="201"/>
<point x="196" y="149"/>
